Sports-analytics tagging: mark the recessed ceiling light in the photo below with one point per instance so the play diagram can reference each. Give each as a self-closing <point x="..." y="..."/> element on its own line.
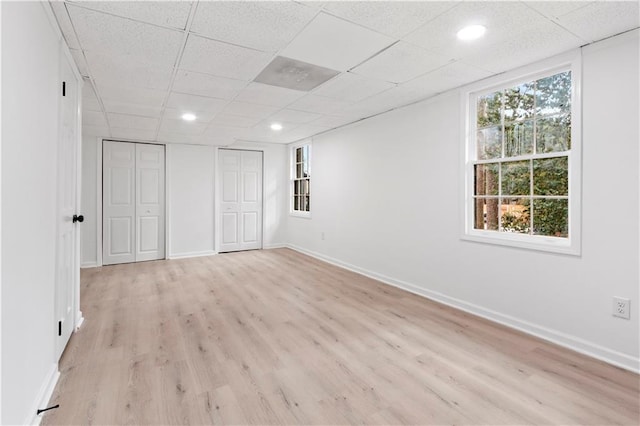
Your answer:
<point x="276" y="126"/>
<point x="188" y="117"/>
<point x="471" y="32"/>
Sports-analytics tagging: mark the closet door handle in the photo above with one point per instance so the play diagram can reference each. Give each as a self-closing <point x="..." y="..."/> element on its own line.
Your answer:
<point x="77" y="218"/>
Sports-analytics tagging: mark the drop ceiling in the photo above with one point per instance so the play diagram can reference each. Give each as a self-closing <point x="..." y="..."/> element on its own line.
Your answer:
<point x="146" y="63"/>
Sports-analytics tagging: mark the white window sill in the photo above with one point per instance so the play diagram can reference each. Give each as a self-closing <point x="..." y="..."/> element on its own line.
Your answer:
<point x="304" y="215"/>
<point x="528" y="242"/>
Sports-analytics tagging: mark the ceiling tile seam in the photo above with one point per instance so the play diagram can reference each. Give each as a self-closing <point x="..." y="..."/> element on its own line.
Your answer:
<point x="456" y="4"/>
<point x="103" y="110"/>
<point x="176" y="66"/>
<point x="82" y="6"/>
<point x="333" y="15"/>
<point x="374" y="55"/>
<point x="555" y="21"/>
<point x="64" y="36"/>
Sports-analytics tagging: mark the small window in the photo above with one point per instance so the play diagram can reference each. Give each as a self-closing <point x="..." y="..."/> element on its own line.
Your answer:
<point x="300" y="179"/>
<point x="522" y="169"/>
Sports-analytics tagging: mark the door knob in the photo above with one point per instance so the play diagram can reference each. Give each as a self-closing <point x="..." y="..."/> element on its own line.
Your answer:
<point x="77" y="218"/>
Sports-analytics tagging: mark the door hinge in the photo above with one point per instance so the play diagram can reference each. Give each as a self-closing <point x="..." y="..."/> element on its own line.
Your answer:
<point x="59" y="328"/>
<point x="64" y="88"/>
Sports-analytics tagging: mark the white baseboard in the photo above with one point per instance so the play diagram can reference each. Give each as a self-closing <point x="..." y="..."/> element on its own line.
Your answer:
<point x="79" y="319"/>
<point x="571" y="342"/>
<point x="192" y="254"/>
<point x="44" y="395"/>
<point x="274" y="246"/>
<point x="92" y="264"/>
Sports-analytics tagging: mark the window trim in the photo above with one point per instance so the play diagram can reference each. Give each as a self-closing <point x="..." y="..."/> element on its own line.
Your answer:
<point x="570" y="61"/>
<point x="292" y="176"/>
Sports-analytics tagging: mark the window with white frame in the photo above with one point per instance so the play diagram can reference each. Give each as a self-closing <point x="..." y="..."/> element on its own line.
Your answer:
<point x="522" y="168"/>
<point x="300" y="179"/>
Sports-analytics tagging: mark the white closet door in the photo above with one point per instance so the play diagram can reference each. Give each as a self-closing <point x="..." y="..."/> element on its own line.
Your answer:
<point x="149" y="202"/>
<point x="118" y="202"/>
<point x="240" y="200"/>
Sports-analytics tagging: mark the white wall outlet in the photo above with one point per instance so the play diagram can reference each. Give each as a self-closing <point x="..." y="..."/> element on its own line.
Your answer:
<point x="621" y="307"/>
<point x="322" y="236"/>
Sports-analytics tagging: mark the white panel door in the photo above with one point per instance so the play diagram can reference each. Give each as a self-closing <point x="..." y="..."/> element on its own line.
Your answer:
<point x="67" y="250"/>
<point x="133" y="202"/>
<point x="149" y="202"/>
<point x="240" y="198"/>
<point x="118" y="202"/>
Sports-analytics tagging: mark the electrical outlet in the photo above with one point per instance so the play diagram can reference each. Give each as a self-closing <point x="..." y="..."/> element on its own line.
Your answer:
<point x="322" y="236"/>
<point x="621" y="307"/>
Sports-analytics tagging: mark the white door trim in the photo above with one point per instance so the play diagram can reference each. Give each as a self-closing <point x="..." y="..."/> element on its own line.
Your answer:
<point x="100" y="142"/>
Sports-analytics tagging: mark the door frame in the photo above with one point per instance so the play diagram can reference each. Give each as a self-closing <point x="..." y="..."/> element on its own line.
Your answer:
<point x="99" y="149"/>
<point x="216" y="209"/>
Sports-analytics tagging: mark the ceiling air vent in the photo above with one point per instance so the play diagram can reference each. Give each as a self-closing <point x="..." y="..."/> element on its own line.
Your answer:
<point x="296" y="75"/>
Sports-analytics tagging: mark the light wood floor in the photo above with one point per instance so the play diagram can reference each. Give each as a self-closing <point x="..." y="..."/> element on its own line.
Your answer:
<point x="276" y="337"/>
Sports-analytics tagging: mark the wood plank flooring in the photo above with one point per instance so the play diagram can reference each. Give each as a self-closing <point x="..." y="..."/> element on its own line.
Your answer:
<point x="276" y="337"/>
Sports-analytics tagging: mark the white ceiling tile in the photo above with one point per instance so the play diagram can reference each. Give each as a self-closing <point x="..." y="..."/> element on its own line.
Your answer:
<point x="171" y="137"/>
<point x="293" y="116"/>
<point x="352" y="87"/>
<point x="118" y="37"/>
<point x="134" y="95"/>
<point x="602" y="19"/>
<point x="88" y="130"/>
<point x="448" y="77"/>
<point x="502" y="19"/>
<point x="536" y="42"/>
<point x="269" y="95"/>
<point x="247" y="109"/>
<point x="134" y="134"/>
<point x="196" y="83"/>
<point x="192" y="103"/>
<point x="191" y="128"/>
<point x="60" y="11"/>
<point x="134" y="71"/>
<point x="80" y="61"/>
<point x="201" y="116"/>
<point x="331" y="121"/>
<point x="319" y="104"/>
<point x="231" y="120"/>
<point x="93" y="118"/>
<point x="132" y="121"/>
<point x="335" y="43"/>
<point x="219" y="130"/>
<point x="393" y="98"/>
<point x="393" y="18"/>
<point x="554" y="9"/>
<point x="401" y="62"/>
<point x="272" y="24"/>
<point x="222" y="59"/>
<point x="166" y="13"/>
<point x="303" y="131"/>
<point x="111" y="105"/>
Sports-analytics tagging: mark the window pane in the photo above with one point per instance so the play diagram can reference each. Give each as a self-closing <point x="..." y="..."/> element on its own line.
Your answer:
<point x="489" y="107"/>
<point x="515" y="216"/>
<point x="518" y="138"/>
<point x="486" y="214"/>
<point x="551" y="176"/>
<point x="489" y="143"/>
<point x="516" y="178"/>
<point x="553" y="134"/>
<point x="518" y="102"/>
<point x="553" y="94"/>
<point x="306" y="204"/>
<point x="296" y="203"/>
<point x="305" y="153"/>
<point x="486" y="179"/>
<point x="299" y="155"/>
<point x="305" y="187"/>
<point x="551" y="217"/>
<point x="298" y="171"/>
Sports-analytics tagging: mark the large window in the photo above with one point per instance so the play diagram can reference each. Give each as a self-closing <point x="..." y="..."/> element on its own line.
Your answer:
<point x="522" y="167"/>
<point x="300" y="179"/>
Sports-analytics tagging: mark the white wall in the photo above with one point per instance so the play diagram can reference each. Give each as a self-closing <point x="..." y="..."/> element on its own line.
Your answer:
<point x="88" y="228"/>
<point x="190" y="194"/>
<point x="386" y="194"/>
<point x="30" y="84"/>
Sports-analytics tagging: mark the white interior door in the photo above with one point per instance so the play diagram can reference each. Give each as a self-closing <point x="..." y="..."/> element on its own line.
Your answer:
<point x="118" y="202"/>
<point x="133" y="202"/>
<point x="240" y="192"/>
<point x="149" y="202"/>
<point x="67" y="249"/>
